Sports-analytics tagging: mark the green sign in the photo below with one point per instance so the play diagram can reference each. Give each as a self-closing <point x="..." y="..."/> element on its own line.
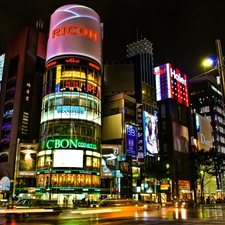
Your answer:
<point x="67" y="144"/>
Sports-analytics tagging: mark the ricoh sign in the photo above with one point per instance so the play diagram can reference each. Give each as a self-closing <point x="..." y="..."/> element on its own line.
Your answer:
<point x="75" y="30"/>
<point x="171" y="83"/>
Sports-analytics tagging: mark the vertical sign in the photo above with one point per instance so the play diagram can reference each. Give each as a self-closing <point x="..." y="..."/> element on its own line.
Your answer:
<point x="140" y="144"/>
<point x="131" y="141"/>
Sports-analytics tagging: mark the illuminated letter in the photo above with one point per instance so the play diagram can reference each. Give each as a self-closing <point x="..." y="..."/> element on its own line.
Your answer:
<point x="57" y="143"/>
<point x="66" y="142"/>
<point x="82" y="31"/>
<point x="63" y="31"/>
<point x="93" y="35"/>
<point x="55" y="32"/>
<point x="72" y="143"/>
<point x="69" y="30"/>
<point x="48" y="145"/>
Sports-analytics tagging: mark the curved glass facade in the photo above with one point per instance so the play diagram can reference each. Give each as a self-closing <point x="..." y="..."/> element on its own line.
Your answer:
<point x="69" y="156"/>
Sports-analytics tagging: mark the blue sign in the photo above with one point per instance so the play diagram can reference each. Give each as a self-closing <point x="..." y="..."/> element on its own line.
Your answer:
<point x="131" y="141"/>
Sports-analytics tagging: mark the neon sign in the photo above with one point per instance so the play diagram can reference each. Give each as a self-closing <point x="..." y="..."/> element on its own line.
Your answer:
<point x="73" y="61"/>
<point x="75" y="30"/>
<point x="178" y="77"/>
<point x="68" y="144"/>
<point x="170" y="83"/>
<point x="51" y="64"/>
<point x="94" y="66"/>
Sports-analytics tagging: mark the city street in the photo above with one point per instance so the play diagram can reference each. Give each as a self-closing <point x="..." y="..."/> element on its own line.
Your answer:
<point x="206" y="214"/>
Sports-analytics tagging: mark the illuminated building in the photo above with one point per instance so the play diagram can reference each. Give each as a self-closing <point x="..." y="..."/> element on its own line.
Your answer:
<point x="69" y="157"/>
<point x="129" y="106"/>
<point x="174" y="122"/>
<point x="206" y="100"/>
<point x="20" y="110"/>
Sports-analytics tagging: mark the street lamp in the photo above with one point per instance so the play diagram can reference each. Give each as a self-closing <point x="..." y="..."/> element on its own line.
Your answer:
<point x="207" y="62"/>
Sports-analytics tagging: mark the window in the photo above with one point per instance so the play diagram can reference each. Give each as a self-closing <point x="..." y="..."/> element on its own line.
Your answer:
<point x="89" y="161"/>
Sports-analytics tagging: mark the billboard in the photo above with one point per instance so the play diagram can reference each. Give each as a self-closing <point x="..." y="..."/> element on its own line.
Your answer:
<point x="131" y="141"/>
<point x="204" y="132"/>
<point x="180" y="138"/>
<point x="170" y="83"/>
<point x="75" y="30"/>
<point x="27" y="159"/>
<point x="150" y="133"/>
<point x="109" y="159"/>
<point x="68" y="158"/>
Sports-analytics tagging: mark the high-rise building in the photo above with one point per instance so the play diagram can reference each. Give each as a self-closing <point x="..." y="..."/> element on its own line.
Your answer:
<point x="206" y="100"/>
<point x="20" y="110"/>
<point x="69" y="157"/>
<point x="130" y="123"/>
<point x="174" y="122"/>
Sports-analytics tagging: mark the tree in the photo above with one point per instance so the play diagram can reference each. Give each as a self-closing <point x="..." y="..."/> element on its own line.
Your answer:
<point x="203" y="162"/>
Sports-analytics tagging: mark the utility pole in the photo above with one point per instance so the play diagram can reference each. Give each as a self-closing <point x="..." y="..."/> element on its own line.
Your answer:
<point x="220" y="67"/>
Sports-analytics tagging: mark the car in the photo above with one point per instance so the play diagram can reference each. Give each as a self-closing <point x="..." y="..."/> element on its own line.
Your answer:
<point x="26" y="207"/>
<point x="149" y="205"/>
<point x="185" y="203"/>
<point x="117" y="203"/>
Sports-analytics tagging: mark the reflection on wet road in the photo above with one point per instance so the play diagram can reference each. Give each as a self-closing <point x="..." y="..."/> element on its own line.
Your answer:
<point x="214" y="214"/>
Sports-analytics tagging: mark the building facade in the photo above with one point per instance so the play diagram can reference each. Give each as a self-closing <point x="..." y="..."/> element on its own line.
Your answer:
<point x="20" y="110"/>
<point x="174" y="122"/>
<point x="206" y="100"/>
<point x="130" y="101"/>
<point x="69" y="156"/>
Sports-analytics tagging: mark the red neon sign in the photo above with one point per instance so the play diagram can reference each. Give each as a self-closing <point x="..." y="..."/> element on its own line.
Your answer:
<point x="94" y="66"/>
<point x="74" y="30"/>
<point x="72" y="60"/>
<point x="51" y="64"/>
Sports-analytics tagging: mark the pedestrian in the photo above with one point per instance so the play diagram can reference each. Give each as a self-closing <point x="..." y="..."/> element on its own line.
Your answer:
<point x="74" y="202"/>
<point x="65" y="200"/>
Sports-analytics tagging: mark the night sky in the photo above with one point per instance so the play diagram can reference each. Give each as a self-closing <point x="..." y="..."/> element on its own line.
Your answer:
<point x="182" y="32"/>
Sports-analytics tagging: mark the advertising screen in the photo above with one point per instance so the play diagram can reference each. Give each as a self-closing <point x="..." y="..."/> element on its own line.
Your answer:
<point x="150" y="133"/>
<point x="71" y="106"/>
<point x="68" y="158"/>
<point x="75" y="30"/>
<point x="109" y="159"/>
<point x="131" y="141"/>
<point x="27" y="160"/>
<point x="204" y="132"/>
<point x="170" y="83"/>
<point x="180" y="138"/>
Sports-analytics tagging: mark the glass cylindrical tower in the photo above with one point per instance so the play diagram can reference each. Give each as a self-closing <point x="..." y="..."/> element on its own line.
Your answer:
<point x="69" y="158"/>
